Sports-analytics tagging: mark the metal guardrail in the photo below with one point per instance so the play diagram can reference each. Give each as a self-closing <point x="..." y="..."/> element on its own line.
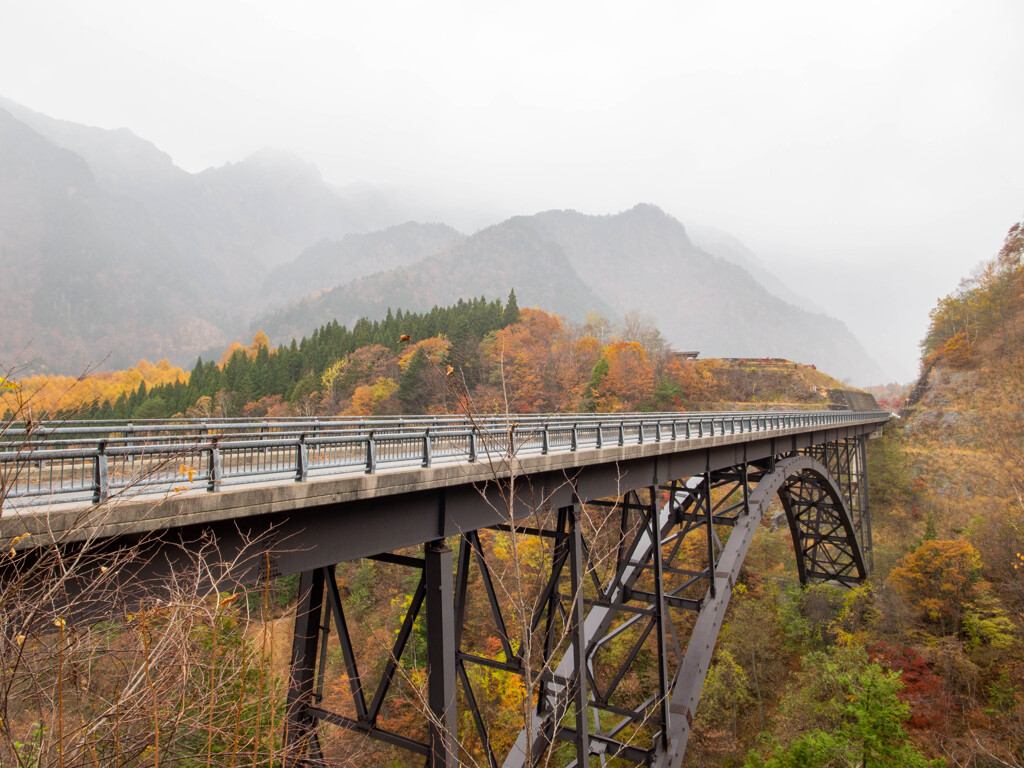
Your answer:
<point x="91" y="461"/>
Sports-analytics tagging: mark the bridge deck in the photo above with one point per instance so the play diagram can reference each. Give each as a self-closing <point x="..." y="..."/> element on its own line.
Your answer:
<point x="357" y="513"/>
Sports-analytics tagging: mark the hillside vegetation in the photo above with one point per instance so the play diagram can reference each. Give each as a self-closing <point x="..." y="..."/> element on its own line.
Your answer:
<point x="474" y="356"/>
<point x="942" y="617"/>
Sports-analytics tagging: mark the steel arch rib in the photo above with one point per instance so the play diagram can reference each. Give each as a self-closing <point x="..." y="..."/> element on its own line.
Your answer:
<point x="689" y="679"/>
<point x="800" y="481"/>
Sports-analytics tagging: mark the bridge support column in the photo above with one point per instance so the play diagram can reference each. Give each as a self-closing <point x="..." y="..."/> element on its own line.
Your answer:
<point x="864" y="501"/>
<point x="300" y="735"/>
<point x="577" y="626"/>
<point x="441" y="655"/>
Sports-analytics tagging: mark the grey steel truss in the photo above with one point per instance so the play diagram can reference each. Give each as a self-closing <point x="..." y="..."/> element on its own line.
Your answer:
<point x="636" y="526"/>
<point x="617" y="638"/>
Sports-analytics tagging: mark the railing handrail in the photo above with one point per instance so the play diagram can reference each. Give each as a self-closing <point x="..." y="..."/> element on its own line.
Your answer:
<point x="68" y="462"/>
<point x="141" y="427"/>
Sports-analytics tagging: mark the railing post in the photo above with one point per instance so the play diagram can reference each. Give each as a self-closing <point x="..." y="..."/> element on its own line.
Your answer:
<point x="472" y="444"/>
<point x="574" y="443"/>
<point x="371" y="454"/>
<point x="427" y="457"/>
<point x="101" y="474"/>
<point x="302" y="460"/>
<point x="675" y="431"/>
<point x="544" y="444"/>
<point x="640" y="433"/>
<point x="216" y="468"/>
<point x="600" y="436"/>
<point x="657" y="431"/>
<point x="622" y="433"/>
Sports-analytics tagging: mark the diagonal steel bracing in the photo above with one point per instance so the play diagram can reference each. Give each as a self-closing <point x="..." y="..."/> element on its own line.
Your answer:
<point x="614" y="640"/>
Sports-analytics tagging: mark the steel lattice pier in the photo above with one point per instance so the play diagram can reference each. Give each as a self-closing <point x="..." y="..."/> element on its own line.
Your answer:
<point x="611" y="632"/>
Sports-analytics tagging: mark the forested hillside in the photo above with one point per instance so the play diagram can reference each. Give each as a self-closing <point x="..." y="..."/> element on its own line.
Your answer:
<point x="475" y="356"/>
<point x="926" y="661"/>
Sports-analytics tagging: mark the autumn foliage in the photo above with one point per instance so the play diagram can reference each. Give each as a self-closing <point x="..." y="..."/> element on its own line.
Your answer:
<point x="937" y="578"/>
<point x="50" y="393"/>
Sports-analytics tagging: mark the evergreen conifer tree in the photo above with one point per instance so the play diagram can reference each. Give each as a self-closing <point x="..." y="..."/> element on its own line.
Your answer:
<point x="511" y="313"/>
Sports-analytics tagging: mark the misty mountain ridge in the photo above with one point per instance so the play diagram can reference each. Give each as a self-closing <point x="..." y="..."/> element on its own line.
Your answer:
<point x="110" y="253"/>
<point x="330" y="263"/>
<point x="68" y="250"/>
<point x="571" y="263"/>
<point x="724" y="245"/>
<point x="491" y="262"/>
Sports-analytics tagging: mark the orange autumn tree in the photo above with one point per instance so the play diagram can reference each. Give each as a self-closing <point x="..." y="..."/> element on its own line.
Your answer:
<point x="938" y="579"/>
<point x="50" y="393"/>
<point x="259" y="339"/>
<point x="523" y="361"/>
<point x="576" y="360"/>
<point x="376" y="399"/>
<point x="623" y="379"/>
<point x="697" y="379"/>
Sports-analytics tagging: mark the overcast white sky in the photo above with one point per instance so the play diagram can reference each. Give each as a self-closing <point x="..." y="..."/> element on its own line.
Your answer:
<point x="872" y="150"/>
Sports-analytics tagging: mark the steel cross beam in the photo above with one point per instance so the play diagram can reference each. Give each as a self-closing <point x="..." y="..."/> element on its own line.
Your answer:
<point x="319" y="606"/>
<point x="654" y="581"/>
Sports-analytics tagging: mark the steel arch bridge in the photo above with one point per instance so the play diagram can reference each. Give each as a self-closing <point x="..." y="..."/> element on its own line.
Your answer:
<point x="678" y="550"/>
<point x="638" y="526"/>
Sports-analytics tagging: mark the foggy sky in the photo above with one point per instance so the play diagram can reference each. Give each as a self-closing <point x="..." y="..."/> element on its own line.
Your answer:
<point x="869" y="152"/>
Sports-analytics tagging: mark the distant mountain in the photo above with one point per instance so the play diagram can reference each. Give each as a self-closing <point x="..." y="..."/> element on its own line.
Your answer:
<point x="333" y="262"/>
<point x="508" y="255"/>
<point x="725" y="246"/>
<point x="85" y="275"/>
<point x="121" y="162"/>
<point x="108" y="251"/>
<point x="232" y="223"/>
<point x="643" y="259"/>
<point x="571" y="263"/>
